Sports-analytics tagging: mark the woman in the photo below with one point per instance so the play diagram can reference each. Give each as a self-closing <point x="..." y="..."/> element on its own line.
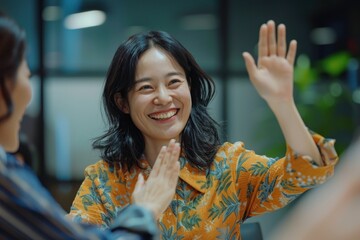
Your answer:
<point x="155" y="91"/>
<point x="27" y="210"/>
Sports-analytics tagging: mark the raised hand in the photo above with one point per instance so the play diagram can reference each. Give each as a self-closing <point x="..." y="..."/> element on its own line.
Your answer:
<point x="159" y="189"/>
<point x="272" y="76"/>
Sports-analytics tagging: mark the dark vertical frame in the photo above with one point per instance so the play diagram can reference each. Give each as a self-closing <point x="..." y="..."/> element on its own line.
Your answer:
<point x="41" y="119"/>
<point x="223" y="59"/>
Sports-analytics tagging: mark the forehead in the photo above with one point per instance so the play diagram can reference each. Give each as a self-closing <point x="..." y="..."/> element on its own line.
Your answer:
<point x="157" y="59"/>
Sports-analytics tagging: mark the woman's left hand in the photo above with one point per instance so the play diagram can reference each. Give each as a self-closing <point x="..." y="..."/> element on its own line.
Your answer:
<point x="272" y="76"/>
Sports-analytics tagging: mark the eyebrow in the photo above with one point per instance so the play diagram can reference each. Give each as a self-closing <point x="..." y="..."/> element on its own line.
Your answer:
<point x="147" y="79"/>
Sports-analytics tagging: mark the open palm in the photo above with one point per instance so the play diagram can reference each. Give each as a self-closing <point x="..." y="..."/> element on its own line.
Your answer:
<point x="159" y="189"/>
<point x="272" y="76"/>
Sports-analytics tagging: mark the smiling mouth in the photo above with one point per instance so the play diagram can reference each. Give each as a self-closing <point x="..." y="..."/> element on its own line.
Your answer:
<point x="164" y="115"/>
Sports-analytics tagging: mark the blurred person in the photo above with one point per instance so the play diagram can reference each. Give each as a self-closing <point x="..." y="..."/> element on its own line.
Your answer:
<point x="331" y="212"/>
<point x="155" y="91"/>
<point x="27" y="210"/>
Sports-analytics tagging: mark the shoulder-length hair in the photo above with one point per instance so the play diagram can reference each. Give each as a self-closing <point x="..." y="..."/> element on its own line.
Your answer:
<point x="12" y="51"/>
<point x="123" y="142"/>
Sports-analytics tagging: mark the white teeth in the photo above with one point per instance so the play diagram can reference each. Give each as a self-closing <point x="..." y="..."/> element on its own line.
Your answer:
<point x="162" y="116"/>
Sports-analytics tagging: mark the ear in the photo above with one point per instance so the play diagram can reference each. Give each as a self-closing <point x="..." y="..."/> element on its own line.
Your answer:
<point x="121" y="103"/>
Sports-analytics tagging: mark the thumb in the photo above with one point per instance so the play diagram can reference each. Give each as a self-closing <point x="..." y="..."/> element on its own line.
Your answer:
<point x="250" y="64"/>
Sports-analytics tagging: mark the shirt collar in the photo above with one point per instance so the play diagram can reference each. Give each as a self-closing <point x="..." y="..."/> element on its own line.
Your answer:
<point x="193" y="176"/>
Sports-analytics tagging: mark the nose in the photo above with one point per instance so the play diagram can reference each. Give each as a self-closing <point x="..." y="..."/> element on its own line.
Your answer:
<point x="162" y="97"/>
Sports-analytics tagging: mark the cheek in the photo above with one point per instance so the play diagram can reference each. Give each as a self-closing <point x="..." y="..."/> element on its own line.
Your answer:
<point x="138" y="106"/>
<point x="23" y="95"/>
<point x="30" y="93"/>
<point x="27" y="94"/>
<point x="186" y="96"/>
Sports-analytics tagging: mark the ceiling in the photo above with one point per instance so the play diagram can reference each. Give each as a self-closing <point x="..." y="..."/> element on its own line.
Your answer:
<point x="205" y="27"/>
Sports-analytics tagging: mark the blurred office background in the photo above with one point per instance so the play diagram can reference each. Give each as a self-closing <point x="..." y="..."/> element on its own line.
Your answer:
<point x="69" y="60"/>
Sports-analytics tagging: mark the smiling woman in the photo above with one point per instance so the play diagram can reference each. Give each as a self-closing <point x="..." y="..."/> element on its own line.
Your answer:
<point x="154" y="92"/>
<point x="159" y="103"/>
<point x="157" y="73"/>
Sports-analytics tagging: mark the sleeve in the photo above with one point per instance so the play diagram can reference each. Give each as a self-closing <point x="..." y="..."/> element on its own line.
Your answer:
<point x="27" y="211"/>
<point x="88" y="205"/>
<point x="267" y="184"/>
<point x="136" y="219"/>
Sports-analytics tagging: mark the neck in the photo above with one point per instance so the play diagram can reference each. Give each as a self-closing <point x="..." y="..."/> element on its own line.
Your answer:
<point x="152" y="149"/>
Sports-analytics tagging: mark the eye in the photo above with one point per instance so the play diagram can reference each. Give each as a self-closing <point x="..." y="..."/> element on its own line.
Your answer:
<point x="175" y="82"/>
<point x="144" y="88"/>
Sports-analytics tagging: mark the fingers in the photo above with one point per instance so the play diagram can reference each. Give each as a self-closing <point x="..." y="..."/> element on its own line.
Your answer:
<point x="271" y="37"/>
<point x="140" y="183"/>
<point x="281" y="48"/>
<point x="163" y="160"/>
<point x="263" y="42"/>
<point x="270" y="44"/>
<point x="174" y="175"/>
<point x="171" y="157"/>
<point x="158" y="162"/>
<point x="292" y="52"/>
<point x="139" y="187"/>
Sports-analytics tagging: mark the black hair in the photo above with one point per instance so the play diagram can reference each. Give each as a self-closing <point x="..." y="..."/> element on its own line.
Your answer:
<point x="123" y="142"/>
<point x="12" y="50"/>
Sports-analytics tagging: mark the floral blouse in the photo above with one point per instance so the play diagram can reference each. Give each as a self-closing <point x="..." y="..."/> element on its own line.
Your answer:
<point x="211" y="203"/>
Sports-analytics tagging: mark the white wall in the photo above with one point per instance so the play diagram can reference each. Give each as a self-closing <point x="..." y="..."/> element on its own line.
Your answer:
<point x="73" y="118"/>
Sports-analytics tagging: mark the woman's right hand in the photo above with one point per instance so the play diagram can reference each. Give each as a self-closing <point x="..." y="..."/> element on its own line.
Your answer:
<point x="272" y="75"/>
<point x="159" y="189"/>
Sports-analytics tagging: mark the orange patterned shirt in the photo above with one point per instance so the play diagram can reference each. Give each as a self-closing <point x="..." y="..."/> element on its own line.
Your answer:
<point x="213" y="203"/>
